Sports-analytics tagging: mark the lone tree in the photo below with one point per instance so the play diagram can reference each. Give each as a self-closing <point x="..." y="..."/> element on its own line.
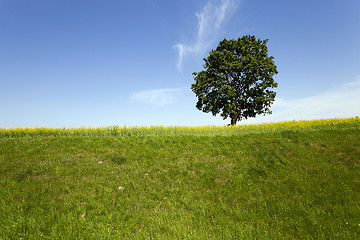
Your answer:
<point x="237" y="80"/>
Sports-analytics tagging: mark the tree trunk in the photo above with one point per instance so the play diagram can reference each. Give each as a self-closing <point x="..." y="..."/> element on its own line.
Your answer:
<point x="233" y="121"/>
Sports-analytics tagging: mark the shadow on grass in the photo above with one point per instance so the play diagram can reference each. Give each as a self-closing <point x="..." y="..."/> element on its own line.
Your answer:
<point x="117" y="158"/>
<point x="23" y="175"/>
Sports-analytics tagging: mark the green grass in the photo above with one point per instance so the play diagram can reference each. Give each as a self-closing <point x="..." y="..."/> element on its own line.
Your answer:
<point x="251" y="182"/>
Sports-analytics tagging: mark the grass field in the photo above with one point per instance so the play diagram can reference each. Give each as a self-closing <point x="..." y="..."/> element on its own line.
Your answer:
<point x="288" y="180"/>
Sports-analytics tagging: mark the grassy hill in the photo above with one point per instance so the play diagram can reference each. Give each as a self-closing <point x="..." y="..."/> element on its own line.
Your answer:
<point x="288" y="180"/>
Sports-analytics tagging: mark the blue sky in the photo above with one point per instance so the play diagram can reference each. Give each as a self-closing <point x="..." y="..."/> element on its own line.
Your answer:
<point x="87" y="63"/>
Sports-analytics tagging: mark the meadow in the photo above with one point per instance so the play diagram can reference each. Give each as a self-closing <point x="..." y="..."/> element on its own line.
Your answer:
<point x="286" y="180"/>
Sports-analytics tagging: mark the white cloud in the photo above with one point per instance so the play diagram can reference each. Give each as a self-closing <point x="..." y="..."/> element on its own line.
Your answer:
<point x="343" y="101"/>
<point x="210" y="19"/>
<point x="156" y="97"/>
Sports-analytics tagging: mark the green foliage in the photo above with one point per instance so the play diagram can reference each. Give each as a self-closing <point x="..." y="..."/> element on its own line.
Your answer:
<point x="237" y="80"/>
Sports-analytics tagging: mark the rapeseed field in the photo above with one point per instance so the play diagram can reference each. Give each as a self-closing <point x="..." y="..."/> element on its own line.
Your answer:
<point x="182" y="130"/>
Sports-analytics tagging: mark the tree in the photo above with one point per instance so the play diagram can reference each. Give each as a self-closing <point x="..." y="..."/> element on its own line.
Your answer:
<point x="237" y="80"/>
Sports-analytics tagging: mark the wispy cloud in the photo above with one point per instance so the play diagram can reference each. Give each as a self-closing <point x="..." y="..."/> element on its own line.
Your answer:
<point x="210" y="20"/>
<point x="157" y="97"/>
<point x="343" y="101"/>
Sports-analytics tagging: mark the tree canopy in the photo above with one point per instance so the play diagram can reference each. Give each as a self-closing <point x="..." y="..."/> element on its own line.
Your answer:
<point x="237" y="80"/>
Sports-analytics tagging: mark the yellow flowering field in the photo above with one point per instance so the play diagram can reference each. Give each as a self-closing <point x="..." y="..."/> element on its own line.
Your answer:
<point x="183" y="130"/>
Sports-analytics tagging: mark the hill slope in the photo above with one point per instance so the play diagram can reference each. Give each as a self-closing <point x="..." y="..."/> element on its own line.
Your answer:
<point x="265" y="183"/>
